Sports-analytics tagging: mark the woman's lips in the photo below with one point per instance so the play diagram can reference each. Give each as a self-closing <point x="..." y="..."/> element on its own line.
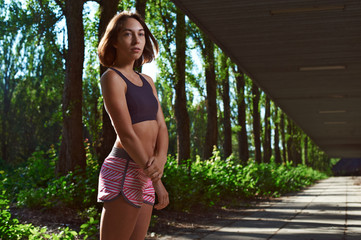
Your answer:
<point x="135" y="50"/>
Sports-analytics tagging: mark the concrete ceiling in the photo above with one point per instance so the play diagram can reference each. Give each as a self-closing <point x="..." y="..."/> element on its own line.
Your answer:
<point x="306" y="55"/>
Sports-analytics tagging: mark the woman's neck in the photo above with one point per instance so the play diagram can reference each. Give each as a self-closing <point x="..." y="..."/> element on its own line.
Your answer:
<point x="124" y="66"/>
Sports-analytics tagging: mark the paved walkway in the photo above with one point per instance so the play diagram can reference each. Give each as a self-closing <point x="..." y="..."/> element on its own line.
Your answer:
<point x="331" y="209"/>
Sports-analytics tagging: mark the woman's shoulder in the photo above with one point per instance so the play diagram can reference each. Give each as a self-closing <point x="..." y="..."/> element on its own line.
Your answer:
<point x="111" y="78"/>
<point x="108" y="74"/>
<point x="148" y="78"/>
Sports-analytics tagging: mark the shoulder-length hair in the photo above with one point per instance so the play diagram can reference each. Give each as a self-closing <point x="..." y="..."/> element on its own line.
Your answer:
<point x="106" y="50"/>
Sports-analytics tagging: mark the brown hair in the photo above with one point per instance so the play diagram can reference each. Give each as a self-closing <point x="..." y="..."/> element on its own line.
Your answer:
<point x="106" y="49"/>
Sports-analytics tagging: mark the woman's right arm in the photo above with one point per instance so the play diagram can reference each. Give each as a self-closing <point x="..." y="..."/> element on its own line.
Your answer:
<point x="162" y="195"/>
<point x="113" y="90"/>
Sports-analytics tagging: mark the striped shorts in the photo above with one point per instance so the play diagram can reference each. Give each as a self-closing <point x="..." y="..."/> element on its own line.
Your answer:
<point x="121" y="176"/>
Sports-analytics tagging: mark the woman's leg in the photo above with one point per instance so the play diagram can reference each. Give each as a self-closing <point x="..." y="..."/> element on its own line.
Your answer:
<point x="118" y="220"/>
<point x="143" y="221"/>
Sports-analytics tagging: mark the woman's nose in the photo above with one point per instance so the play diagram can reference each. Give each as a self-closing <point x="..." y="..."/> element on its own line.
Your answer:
<point x="136" y="39"/>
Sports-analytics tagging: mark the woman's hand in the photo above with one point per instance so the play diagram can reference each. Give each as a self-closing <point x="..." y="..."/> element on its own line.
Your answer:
<point x="155" y="168"/>
<point x="162" y="195"/>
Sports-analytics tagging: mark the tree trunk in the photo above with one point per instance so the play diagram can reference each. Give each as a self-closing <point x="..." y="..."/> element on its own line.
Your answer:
<point x="306" y="150"/>
<point x="297" y="144"/>
<point x="211" y="86"/>
<point x="108" y="8"/>
<point x="227" y="144"/>
<point x="256" y="123"/>
<point x="72" y="152"/>
<point x="181" y="113"/>
<point x="5" y="118"/>
<point x="294" y="143"/>
<point x="267" y="149"/>
<point x="140" y="6"/>
<point x="241" y="118"/>
<point x="277" y="137"/>
<point x="289" y="142"/>
<point x="283" y="137"/>
<point x="8" y="85"/>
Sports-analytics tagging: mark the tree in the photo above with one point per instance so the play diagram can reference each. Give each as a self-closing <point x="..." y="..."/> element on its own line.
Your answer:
<point x="8" y="84"/>
<point x="108" y="8"/>
<point x="256" y="123"/>
<point x="267" y="149"/>
<point x="283" y="137"/>
<point x="227" y="143"/>
<point x="276" y="120"/>
<point x="140" y="6"/>
<point x="294" y="143"/>
<point x="31" y="70"/>
<point x="211" y="86"/>
<point x="207" y="50"/>
<point x="161" y="18"/>
<point x="72" y="152"/>
<point x="181" y="113"/>
<point x="305" y="152"/>
<point x="241" y="116"/>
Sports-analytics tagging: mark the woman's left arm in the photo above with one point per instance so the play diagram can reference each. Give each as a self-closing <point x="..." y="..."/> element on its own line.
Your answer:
<point x="161" y="150"/>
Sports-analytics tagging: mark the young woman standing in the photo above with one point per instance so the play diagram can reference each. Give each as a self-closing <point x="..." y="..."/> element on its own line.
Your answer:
<point x="131" y="174"/>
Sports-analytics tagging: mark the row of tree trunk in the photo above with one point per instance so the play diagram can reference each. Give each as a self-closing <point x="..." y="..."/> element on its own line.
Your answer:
<point x="72" y="152"/>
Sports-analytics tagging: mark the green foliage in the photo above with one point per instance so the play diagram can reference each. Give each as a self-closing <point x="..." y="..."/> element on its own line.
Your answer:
<point x="198" y="184"/>
<point x="10" y="228"/>
<point x="35" y="173"/>
<point x="92" y="100"/>
<point x="90" y="229"/>
<point x="37" y="186"/>
<point x="215" y="181"/>
<point x="32" y="78"/>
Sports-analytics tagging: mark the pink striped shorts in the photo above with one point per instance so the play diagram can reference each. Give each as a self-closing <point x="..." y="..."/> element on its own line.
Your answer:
<point x="121" y="176"/>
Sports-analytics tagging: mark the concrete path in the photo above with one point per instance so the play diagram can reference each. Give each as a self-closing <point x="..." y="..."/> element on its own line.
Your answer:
<point x="331" y="209"/>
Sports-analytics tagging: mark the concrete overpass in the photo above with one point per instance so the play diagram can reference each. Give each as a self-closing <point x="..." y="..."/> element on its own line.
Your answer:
<point x="305" y="54"/>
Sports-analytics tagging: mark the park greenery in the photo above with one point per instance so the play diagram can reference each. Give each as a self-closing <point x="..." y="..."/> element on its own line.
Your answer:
<point x="229" y="142"/>
<point x="218" y="182"/>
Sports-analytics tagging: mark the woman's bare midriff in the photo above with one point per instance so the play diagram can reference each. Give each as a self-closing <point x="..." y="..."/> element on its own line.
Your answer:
<point x="147" y="132"/>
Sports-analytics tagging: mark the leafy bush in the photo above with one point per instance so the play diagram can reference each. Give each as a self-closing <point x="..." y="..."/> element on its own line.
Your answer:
<point x="198" y="184"/>
<point x="38" y="170"/>
<point x="10" y="228"/>
<point x="90" y="230"/>
<point x="35" y="184"/>
<point x="210" y="182"/>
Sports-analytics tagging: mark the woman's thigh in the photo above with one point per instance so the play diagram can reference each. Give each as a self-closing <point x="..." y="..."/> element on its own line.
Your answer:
<point x="118" y="220"/>
<point x="143" y="221"/>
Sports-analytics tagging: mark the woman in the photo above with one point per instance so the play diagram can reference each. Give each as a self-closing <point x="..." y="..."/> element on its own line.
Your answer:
<point x="131" y="173"/>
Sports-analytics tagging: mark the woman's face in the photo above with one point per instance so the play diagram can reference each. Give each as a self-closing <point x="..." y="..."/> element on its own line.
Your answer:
<point x="130" y="41"/>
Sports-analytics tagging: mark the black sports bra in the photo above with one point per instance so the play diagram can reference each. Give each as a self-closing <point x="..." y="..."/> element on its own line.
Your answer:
<point x="142" y="104"/>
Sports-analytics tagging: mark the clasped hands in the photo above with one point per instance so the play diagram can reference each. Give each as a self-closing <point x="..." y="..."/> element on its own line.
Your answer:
<point x="154" y="168"/>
